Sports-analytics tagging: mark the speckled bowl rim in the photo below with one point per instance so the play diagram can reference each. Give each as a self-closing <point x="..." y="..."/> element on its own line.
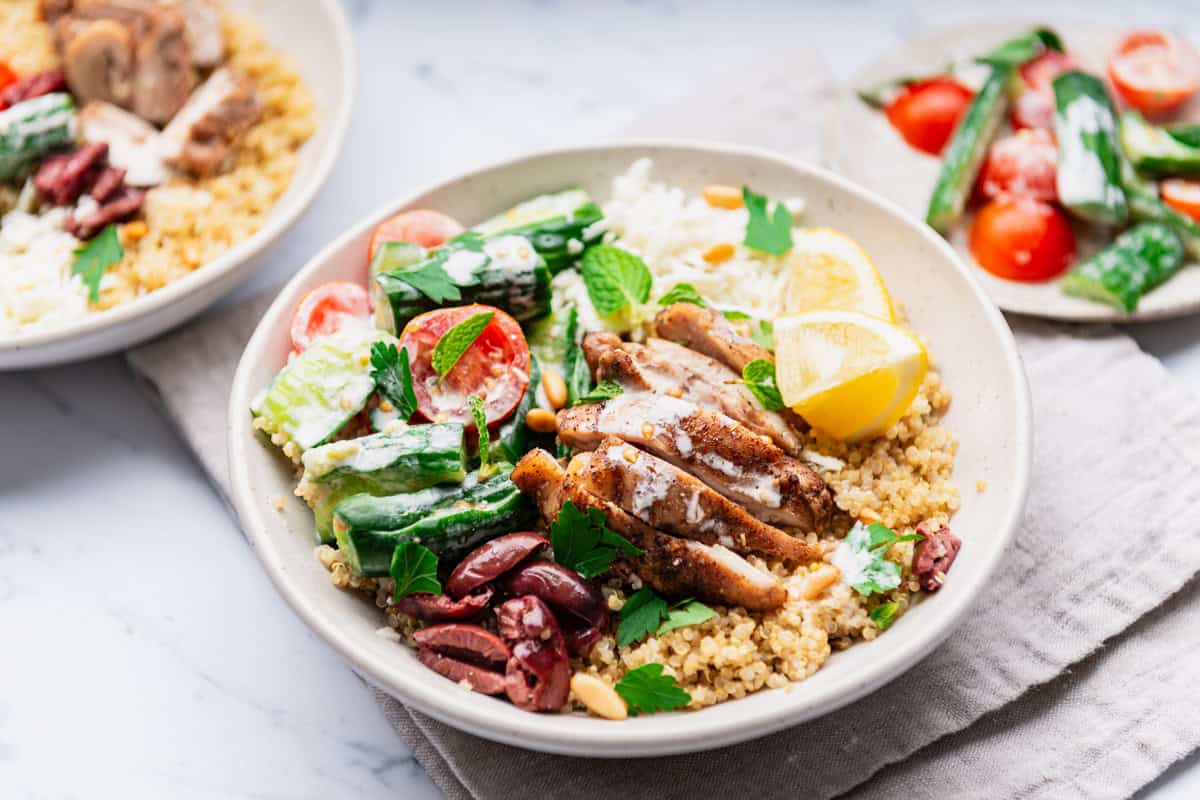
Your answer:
<point x="233" y="260"/>
<point x="659" y="734"/>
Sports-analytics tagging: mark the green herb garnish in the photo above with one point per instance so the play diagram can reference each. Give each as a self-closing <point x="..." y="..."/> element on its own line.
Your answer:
<point x="614" y="278"/>
<point x="869" y="543"/>
<point x="646" y="690"/>
<point x="641" y="615"/>
<point x="884" y="615"/>
<point x="685" y="613"/>
<point x="764" y="334"/>
<point x="582" y="541"/>
<point x="431" y="280"/>
<point x="759" y="377"/>
<point x="414" y="569"/>
<point x="575" y="369"/>
<point x="605" y="390"/>
<point x="479" y="414"/>
<point x="768" y="234"/>
<point x="682" y="293"/>
<point x="94" y="257"/>
<point x="454" y="342"/>
<point x="733" y="315"/>
<point x="393" y="378"/>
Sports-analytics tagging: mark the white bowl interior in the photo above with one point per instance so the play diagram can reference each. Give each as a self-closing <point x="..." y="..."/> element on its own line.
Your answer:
<point x="319" y="44"/>
<point x="860" y="144"/>
<point x="968" y="340"/>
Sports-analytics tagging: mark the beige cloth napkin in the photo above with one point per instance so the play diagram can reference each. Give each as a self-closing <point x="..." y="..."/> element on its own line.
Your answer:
<point x="1064" y="680"/>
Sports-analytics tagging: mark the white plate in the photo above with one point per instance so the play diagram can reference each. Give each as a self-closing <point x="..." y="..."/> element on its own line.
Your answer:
<point x="859" y="143"/>
<point x="968" y="339"/>
<point x="316" y="36"/>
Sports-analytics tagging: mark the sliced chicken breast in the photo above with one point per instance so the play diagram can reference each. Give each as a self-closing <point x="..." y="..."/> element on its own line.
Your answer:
<point x="718" y="450"/>
<point x="669" y="565"/>
<point x="706" y="331"/>
<point x="676" y="371"/>
<point x="669" y="499"/>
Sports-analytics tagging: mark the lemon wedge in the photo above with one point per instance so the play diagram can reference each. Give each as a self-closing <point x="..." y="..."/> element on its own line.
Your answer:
<point x="830" y="271"/>
<point x="850" y="375"/>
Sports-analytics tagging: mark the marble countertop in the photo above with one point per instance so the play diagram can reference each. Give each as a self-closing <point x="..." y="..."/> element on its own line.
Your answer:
<point x="142" y="651"/>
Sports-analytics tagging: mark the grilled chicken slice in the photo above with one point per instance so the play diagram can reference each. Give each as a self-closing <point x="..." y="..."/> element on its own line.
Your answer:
<point x="202" y="135"/>
<point x="164" y="77"/>
<point x="707" y="331"/>
<point x="718" y="450"/>
<point x="672" y="566"/>
<point x="676" y="371"/>
<point x="667" y="498"/>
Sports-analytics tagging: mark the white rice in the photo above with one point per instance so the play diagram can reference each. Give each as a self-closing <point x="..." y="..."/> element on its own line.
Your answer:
<point x="37" y="289"/>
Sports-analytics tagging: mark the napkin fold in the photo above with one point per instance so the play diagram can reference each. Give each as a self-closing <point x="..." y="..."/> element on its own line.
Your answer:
<point x="1024" y="699"/>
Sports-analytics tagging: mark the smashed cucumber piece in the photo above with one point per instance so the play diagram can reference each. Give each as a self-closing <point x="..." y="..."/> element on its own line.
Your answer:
<point x="1089" y="158"/>
<point x="1138" y="260"/>
<point x="320" y="390"/>
<point x="381" y="464"/>
<point x="559" y="225"/>
<point x="1158" y="151"/>
<point x="368" y="528"/>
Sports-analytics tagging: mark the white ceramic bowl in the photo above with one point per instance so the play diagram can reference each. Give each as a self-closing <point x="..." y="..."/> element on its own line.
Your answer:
<point x="316" y="35"/>
<point x="968" y="339"/>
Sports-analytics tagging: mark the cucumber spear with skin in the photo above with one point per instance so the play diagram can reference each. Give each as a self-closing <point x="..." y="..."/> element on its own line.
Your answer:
<point x="1089" y="158"/>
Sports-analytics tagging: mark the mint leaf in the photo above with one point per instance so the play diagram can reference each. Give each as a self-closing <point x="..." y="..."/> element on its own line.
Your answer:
<point x="884" y="615"/>
<point x="767" y="233"/>
<point x="733" y="315"/>
<point x="583" y="542"/>
<point x="479" y="414"/>
<point x="641" y="615"/>
<point x="468" y="240"/>
<point x="759" y="377"/>
<point x="575" y="369"/>
<point x="393" y="378"/>
<point x="94" y="257"/>
<point x="454" y="342"/>
<point x="646" y="690"/>
<point x="605" y="390"/>
<point x="614" y="278"/>
<point x="431" y="280"/>
<point x="682" y="293"/>
<point x="414" y="568"/>
<point x="685" y="613"/>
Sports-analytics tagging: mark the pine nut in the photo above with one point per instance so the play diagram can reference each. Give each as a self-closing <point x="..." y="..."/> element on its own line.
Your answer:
<point x="718" y="253"/>
<point x="719" y="196"/>
<point x="555" y="388"/>
<point x="600" y="698"/>
<point x="820" y="581"/>
<point x="541" y="420"/>
<point x="135" y="230"/>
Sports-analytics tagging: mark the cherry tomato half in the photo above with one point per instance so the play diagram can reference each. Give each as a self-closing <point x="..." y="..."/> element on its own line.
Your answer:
<point x="420" y="226"/>
<point x="1021" y="239"/>
<point x="925" y="113"/>
<point x="1154" y="71"/>
<point x="327" y="309"/>
<point x="1034" y="106"/>
<point x="1024" y="164"/>
<point x="495" y="367"/>
<point x="1182" y="195"/>
<point x="7" y="76"/>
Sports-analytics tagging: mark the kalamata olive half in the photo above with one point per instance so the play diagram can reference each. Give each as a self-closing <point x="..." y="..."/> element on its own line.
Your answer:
<point x="442" y="608"/>
<point x="538" y="675"/>
<point x="465" y="653"/>
<point x="564" y="589"/>
<point x="580" y="641"/>
<point x="492" y="559"/>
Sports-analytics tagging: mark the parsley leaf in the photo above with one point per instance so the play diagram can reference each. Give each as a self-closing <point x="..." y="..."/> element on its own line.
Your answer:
<point x="682" y="293"/>
<point x="583" y="542"/>
<point x="479" y="414"/>
<point x="861" y="558"/>
<point x="641" y="615"/>
<point x="614" y="278"/>
<point x="94" y="257"/>
<point x="764" y="334"/>
<point x="605" y="390"/>
<point x="884" y="615"/>
<point x="575" y="369"/>
<point x="685" y="613"/>
<point x="393" y="378"/>
<point x="646" y="690"/>
<point x="430" y="279"/>
<point x="414" y="568"/>
<point x="733" y="315"/>
<point x="454" y="342"/>
<point x="767" y="233"/>
<point x="759" y="377"/>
